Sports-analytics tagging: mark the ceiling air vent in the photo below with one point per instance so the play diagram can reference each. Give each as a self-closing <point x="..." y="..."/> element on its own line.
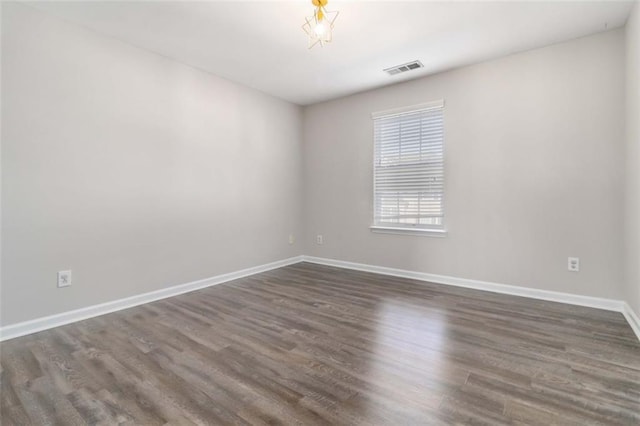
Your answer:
<point x="404" y="67"/>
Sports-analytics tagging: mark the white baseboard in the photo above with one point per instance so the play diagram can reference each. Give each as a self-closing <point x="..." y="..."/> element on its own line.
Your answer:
<point x="632" y="319"/>
<point x="44" y="323"/>
<point x="554" y="296"/>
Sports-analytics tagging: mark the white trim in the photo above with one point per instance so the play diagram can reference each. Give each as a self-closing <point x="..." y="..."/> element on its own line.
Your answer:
<point x="632" y="319"/>
<point x="423" y="232"/>
<point x="44" y="323"/>
<point x="411" y="108"/>
<point x="554" y="296"/>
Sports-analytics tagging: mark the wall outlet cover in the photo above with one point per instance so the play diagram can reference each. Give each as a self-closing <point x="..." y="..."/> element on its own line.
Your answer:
<point x="64" y="278"/>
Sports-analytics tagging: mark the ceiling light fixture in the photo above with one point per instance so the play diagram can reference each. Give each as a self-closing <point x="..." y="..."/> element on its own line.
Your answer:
<point x="319" y="27"/>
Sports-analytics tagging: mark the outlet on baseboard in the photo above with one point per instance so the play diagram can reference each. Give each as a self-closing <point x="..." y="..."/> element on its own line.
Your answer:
<point x="64" y="278"/>
<point x="573" y="264"/>
<point x="319" y="239"/>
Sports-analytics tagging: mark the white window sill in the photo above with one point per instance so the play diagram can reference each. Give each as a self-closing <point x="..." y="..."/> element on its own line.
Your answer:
<point x="438" y="233"/>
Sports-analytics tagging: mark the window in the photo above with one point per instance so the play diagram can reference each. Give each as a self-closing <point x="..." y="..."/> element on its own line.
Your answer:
<point x="408" y="171"/>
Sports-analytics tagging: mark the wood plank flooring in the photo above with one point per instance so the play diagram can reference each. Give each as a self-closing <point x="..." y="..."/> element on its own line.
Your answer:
<point x="314" y="345"/>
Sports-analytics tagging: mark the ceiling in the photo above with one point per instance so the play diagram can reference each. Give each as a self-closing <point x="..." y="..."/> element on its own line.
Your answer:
<point x="261" y="44"/>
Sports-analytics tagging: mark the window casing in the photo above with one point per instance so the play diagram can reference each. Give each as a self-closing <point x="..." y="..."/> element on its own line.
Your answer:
<point x="408" y="170"/>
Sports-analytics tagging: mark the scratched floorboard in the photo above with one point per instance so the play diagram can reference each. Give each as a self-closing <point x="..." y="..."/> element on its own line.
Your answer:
<point x="312" y="345"/>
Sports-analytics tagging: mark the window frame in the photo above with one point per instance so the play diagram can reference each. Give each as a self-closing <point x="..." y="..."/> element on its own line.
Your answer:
<point x="408" y="229"/>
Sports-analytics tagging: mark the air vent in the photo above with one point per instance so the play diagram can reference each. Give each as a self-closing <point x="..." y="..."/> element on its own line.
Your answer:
<point x="404" y="67"/>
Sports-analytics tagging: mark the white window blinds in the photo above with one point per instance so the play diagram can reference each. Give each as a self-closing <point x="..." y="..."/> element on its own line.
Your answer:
<point x="409" y="167"/>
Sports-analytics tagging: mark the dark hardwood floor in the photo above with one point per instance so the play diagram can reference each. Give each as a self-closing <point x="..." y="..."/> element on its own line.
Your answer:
<point x="309" y="344"/>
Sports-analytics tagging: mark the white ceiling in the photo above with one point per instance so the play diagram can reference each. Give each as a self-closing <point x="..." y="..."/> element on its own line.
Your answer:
<point x="261" y="44"/>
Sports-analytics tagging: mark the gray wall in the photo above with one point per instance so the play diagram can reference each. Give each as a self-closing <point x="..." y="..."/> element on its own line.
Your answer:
<point x="632" y="193"/>
<point x="140" y="173"/>
<point x="534" y="148"/>
<point x="135" y="171"/>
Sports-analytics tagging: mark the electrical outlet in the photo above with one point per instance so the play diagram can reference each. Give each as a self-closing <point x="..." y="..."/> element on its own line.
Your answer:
<point x="64" y="278"/>
<point x="319" y="239"/>
<point x="573" y="264"/>
<point x="291" y="239"/>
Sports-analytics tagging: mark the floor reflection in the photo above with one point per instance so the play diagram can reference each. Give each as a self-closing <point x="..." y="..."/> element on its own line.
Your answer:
<point x="410" y="364"/>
